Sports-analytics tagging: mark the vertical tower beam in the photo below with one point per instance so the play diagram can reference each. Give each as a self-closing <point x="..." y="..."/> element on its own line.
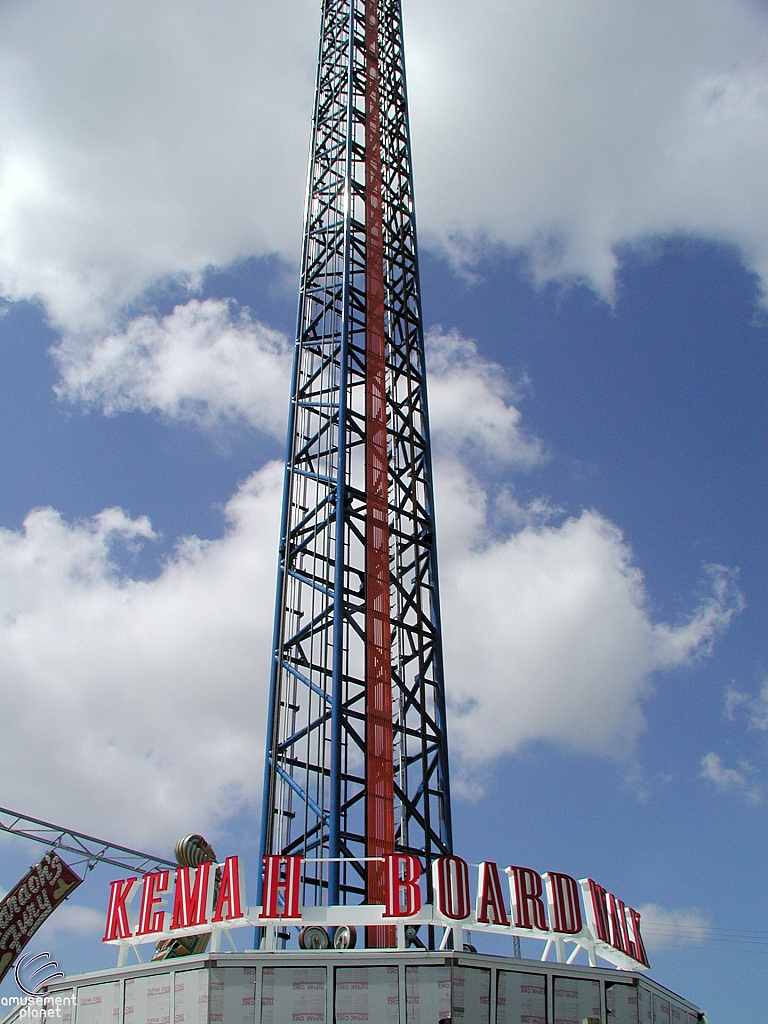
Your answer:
<point x="357" y="762"/>
<point x="379" y="765"/>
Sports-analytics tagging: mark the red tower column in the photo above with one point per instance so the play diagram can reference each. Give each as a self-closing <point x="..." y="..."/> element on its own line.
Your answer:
<point x="379" y="770"/>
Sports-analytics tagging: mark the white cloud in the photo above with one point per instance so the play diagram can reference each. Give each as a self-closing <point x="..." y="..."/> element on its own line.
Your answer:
<point x="202" y="364"/>
<point x="664" y="928"/>
<point x="573" y="129"/>
<point x="73" y="919"/>
<point x="198" y="363"/>
<point x="551" y="624"/>
<point x="757" y="707"/>
<point x="143" y="141"/>
<point x="141" y="704"/>
<point x="156" y="691"/>
<point x="729" y="780"/>
<point x="548" y="620"/>
<point x="470" y="408"/>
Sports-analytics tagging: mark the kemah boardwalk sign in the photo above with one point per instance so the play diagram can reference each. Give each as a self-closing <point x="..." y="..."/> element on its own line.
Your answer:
<point x="565" y="914"/>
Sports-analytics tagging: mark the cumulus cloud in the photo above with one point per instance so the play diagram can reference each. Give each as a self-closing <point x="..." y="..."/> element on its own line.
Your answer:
<point x="142" y="141"/>
<point x="755" y="707"/>
<point x="140" y="703"/>
<point x="72" y="919"/>
<point x="730" y="780"/>
<point x="200" y="363"/>
<point x="664" y="928"/>
<point x="470" y="405"/>
<point x="570" y="130"/>
<point x="549" y="619"/>
<point x="163" y="682"/>
<point x="552" y="624"/>
<point x="149" y="141"/>
<point x="205" y="362"/>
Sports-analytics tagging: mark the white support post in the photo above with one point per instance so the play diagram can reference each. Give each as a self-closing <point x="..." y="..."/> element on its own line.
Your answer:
<point x="258" y="982"/>
<point x="494" y="987"/>
<point x="401" y="992"/>
<point x="330" y="991"/>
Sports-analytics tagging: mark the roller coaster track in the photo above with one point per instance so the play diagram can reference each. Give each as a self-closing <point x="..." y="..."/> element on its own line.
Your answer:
<point x="87" y="850"/>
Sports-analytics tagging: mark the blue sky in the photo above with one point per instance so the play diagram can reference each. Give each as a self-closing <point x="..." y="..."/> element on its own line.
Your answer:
<point x="593" y="214"/>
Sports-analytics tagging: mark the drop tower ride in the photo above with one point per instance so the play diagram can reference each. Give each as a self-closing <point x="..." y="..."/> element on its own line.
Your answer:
<point x="357" y="765"/>
<point x="357" y="757"/>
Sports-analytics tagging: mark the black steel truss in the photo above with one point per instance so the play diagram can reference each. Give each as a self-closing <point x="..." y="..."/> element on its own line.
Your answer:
<point x="314" y="790"/>
<point x="83" y="851"/>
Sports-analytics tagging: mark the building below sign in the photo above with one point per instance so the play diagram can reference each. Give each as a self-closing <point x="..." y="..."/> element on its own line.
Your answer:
<point x="565" y="914"/>
<point x="366" y="986"/>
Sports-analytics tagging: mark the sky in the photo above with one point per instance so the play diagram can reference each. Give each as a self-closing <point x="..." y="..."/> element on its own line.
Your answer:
<point x="593" y="219"/>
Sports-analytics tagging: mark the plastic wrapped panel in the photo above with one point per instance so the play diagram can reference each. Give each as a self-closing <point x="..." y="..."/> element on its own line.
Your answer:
<point x="427" y="994"/>
<point x="293" y="994"/>
<point x="575" y="999"/>
<point x="367" y="994"/>
<point x="147" y="1000"/>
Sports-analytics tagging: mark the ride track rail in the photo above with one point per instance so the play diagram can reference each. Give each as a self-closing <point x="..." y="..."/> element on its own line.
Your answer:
<point x="87" y="849"/>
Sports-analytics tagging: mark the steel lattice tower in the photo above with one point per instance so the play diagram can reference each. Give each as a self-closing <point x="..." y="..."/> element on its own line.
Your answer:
<point x="357" y="759"/>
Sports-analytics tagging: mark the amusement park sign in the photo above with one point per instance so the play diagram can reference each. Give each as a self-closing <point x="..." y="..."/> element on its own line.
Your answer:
<point x="552" y="907"/>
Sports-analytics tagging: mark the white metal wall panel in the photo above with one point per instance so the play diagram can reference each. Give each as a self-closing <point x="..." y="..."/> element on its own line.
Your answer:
<point x="99" y="1004"/>
<point x="622" y="1003"/>
<point x="367" y="994"/>
<point x="577" y="999"/>
<point x="233" y="995"/>
<point x="191" y="994"/>
<point x="147" y="1000"/>
<point x="293" y="994"/>
<point x="428" y="994"/>
<point x="661" y="1014"/>
<point x="62" y="1011"/>
<point x="521" y="998"/>
<point x="471" y="995"/>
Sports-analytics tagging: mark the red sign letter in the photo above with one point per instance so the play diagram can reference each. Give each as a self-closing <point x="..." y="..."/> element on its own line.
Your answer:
<point x="564" y="909"/>
<point x="618" y="924"/>
<point x="526" y="889"/>
<point x="289" y="885"/>
<point x="597" y="909"/>
<point x="231" y="892"/>
<point x="489" y="895"/>
<point x="120" y="893"/>
<point x="192" y="904"/>
<point x="639" y="949"/>
<point x="403" y="872"/>
<point x="450" y="876"/>
<point x="151" y="920"/>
